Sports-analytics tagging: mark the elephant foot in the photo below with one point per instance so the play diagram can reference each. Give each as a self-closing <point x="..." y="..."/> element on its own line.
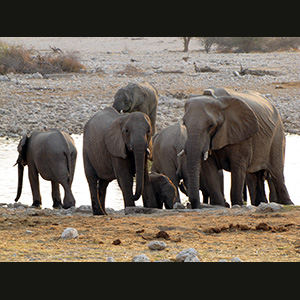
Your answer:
<point x="99" y="212"/>
<point x="36" y="203"/>
<point x="195" y="204"/>
<point x="66" y="206"/>
<point x="57" y="204"/>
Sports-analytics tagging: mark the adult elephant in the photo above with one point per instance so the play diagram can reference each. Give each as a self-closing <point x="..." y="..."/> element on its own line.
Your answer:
<point x="239" y="132"/>
<point x="169" y="159"/>
<point x="52" y="154"/>
<point x="141" y="97"/>
<point x="116" y="146"/>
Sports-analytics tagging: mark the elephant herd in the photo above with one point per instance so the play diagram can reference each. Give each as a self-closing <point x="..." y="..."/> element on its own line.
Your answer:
<point x="240" y="132"/>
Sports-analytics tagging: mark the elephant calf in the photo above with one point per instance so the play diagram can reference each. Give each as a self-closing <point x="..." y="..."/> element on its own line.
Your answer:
<point x="164" y="190"/>
<point x="52" y="154"/>
<point x="141" y="97"/>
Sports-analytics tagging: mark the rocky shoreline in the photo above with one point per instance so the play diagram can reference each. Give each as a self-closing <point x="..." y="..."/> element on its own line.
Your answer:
<point x="66" y="101"/>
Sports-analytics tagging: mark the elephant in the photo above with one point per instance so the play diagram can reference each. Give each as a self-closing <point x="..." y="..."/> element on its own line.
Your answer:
<point x="117" y="146"/>
<point x="164" y="190"/>
<point x="169" y="159"/>
<point x="240" y="132"/>
<point x="52" y="154"/>
<point x="141" y="97"/>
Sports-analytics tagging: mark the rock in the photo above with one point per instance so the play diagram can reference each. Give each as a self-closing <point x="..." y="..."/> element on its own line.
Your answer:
<point x="84" y="209"/>
<point x="140" y="210"/>
<point x="182" y="255"/>
<point x="268" y="207"/>
<point x="141" y="258"/>
<point x="69" y="233"/>
<point x="192" y="258"/>
<point x="236" y="259"/>
<point x="178" y="205"/>
<point x="157" y="245"/>
<point x="110" y="259"/>
<point x="223" y="260"/>
<point x="36" y="75"/>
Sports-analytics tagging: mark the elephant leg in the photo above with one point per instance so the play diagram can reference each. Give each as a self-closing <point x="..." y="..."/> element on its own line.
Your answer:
<point x="92" y="180"/>
<point x="69" y="199"/>
<point x="125" y="184"/>
<point x="175" y="180"/>
<point x="272" y="193"/>
<point x="255" y="183"/>
<point x="238" y="177"/>
<point x="35" y="186"/>
<point x="102" y="186"/>
<point x="282" y="194"/>
<point x="125" y="181"/>
<point x="56" y="195"/>
<point x="210" y="170"/>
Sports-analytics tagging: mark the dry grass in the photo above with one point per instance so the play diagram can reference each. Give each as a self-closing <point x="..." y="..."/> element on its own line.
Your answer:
<point x="17" y="59"/>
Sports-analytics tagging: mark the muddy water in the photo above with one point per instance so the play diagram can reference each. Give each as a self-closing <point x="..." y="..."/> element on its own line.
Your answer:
<point x="114" y="199"/>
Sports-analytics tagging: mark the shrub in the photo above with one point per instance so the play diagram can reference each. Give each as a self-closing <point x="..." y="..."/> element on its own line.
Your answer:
<point x="249" y="44"/>
<point x="17" y="59"/>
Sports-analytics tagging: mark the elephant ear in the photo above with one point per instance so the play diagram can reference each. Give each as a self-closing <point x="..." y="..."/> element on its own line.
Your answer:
<point x="23" y="143"/>
<point x="240" y="123"/>
<point x="139" y="94"/>
<point x="114" y="140"/>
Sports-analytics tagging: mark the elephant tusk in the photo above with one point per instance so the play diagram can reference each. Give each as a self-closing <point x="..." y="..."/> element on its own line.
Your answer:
<point x="121" y="111"/>
<point x="181" y="153"/>
<point x="148" y="151"/>
<point x="205" y="157"/>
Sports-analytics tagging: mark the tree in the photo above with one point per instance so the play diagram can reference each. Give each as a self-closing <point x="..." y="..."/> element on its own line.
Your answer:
<point x="186" y="41"/>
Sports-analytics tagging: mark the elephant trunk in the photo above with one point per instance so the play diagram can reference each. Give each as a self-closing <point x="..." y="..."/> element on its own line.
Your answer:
<point x="193" y="161"/>
<point x="20" y="181"/>
<point x="139" y="156"/>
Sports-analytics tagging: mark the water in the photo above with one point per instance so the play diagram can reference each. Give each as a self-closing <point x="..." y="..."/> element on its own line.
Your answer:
<point x="114" y="198"/>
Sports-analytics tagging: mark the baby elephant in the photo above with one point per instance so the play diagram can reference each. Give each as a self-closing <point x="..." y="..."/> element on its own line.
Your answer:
<point x="164" y="190"/>
<point x="52" y="154"/>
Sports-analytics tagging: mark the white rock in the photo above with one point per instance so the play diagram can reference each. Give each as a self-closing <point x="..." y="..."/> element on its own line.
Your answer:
<point x="110" y="259"/>
<point x="157" y="245"/>
<point x="141" y="258"/>
<point x="192" y="258"/>
<point x="182" y="255"/>
<point x="69" y="233"/>
<point x="236" y="259"/>
<point x="268" y="207"/>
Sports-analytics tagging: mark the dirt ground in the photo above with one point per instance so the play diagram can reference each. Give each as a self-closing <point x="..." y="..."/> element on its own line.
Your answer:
<point x="251" y="236"/>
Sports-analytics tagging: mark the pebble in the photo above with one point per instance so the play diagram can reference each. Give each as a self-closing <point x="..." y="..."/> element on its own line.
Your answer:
<point x="157" y="245"/>
<point x="141" y="258"/>
<point x="268" y="207"/>
<point x="186" y="254"/>
<point x="69" y="233"/>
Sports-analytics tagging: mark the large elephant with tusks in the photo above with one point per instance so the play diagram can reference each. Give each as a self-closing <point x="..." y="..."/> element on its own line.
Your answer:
<point x="240" y="132"/>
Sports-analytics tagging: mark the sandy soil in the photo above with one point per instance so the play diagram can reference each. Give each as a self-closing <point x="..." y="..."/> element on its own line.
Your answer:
<point x="215" y="235"/>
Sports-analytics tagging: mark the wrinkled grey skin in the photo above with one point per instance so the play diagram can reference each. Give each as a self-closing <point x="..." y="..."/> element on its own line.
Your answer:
<point x="239" y="132"/>
<point x="141" y="97"/>
<point x="52" y="154"/>
<point x="164" y="190"/>
<point x="169" y="159"/>
<point x="116" y="146"/>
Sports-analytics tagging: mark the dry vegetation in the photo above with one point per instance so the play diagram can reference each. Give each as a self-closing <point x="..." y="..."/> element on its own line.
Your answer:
<point x="17" y="59"/>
